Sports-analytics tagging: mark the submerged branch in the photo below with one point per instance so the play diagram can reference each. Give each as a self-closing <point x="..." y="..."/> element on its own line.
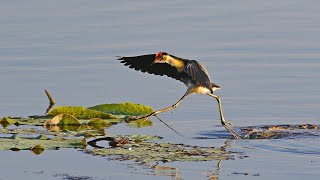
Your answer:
<point x="51" y="101"/>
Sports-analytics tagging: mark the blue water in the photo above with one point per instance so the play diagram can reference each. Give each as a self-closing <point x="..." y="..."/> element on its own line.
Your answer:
<point x="264" y="54"/>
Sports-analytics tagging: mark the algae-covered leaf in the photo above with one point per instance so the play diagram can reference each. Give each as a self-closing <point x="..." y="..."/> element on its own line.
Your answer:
<point x="123" y="109"/>
<point x="81" y="112"/>
<point x="63" y="119"/>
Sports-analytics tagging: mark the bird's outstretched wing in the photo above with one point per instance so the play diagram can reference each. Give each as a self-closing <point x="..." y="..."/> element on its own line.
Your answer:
<point x="143" y="63"/>
<point x="198" y="73"/>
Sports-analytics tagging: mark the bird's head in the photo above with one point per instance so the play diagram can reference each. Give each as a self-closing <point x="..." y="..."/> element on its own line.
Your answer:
<point x="161" y="57"/>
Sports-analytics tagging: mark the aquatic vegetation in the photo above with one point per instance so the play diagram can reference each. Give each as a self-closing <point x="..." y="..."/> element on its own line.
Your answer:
<point x="123" y="109"/>
<point x="140" y="123"/>
<point x="17" y="143"/>
<point x="280" y="131"/>
<point x="71" y="126"/>
<point x="63" y="119"/>
<point x="81" y="112"/>
<point x="143" y="149"/>
<point x="67" y="124"/>
<point x="7" y="121"/>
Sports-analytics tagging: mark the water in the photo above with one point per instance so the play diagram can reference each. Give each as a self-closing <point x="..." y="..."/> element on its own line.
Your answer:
<point x="264" y="54"/>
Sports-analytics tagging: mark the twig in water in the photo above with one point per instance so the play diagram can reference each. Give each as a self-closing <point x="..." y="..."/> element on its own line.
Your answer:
<point x="51" y="100"/>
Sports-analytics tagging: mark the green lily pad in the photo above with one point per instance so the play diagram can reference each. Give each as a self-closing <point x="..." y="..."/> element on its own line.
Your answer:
<point x="81" y="112"/>
<point x="123" y="109"/>
<point x="24" y="143"/>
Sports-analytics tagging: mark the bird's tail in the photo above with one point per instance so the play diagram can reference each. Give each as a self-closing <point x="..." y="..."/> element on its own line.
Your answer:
<point x="214" y="87"/>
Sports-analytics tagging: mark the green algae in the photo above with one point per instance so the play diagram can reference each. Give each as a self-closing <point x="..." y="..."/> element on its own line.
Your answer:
<point x="123" y="109"/>
<point x="81" y="112"/>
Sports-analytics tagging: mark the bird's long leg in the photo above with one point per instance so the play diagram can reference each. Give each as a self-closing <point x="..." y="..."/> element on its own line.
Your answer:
<point x="223" y="121"/>
<point x="162" y="110"/>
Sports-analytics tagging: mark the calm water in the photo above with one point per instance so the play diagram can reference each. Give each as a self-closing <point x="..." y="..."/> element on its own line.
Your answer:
<point x="264" y="54"/>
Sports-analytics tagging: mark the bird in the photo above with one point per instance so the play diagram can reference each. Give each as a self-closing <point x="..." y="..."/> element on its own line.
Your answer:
<point x="193" y="74"/>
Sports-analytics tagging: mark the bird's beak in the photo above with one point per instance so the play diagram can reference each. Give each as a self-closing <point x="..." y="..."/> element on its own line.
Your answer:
<point x="155" y="61"/>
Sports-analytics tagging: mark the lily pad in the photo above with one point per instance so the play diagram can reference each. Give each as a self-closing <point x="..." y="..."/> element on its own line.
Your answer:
<point x="98" y="123"/>
<point x="140" y="123"/>
<point x="5" y="122"/>
<point x="37" y="149"/>
<point x="24" y="143"/>
<point x="63" y="119"/>
<point x="123" y="109"/>
<point x="81" y="112"/>
<point x="145" y="151"/>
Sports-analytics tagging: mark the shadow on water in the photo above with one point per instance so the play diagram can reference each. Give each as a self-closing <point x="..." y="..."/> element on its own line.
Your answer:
<point x="221" y="134"/>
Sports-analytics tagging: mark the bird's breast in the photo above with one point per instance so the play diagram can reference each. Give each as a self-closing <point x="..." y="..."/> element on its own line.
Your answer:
<point x="199" y="90"/>
<point x="193" y="88"/>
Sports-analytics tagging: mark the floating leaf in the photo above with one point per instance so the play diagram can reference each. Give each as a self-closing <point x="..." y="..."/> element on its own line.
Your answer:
<point x="37" y="149"/>
<point x="63" y="119"/>
<point x="140" y="150"/>
<point x="30" y="121"/>
<point x="42" y="136"/>
<point x="24" y="143"/>
<point x="81" y="112"/>
<point x="124" y="109"/>
<point x="140" y="123"/>
<point x="98" y="123"/>
<point x="5" y="122"/>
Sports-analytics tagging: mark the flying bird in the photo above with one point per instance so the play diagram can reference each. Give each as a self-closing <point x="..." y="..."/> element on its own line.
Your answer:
<point x="190" y="72"/>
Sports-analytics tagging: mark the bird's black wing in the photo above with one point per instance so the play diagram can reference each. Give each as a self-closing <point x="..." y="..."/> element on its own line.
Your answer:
<point x="198" y="73"/>
<point x="144" y="64"/>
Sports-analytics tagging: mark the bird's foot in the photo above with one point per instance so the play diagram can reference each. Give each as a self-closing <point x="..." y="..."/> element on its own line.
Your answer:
<point x="234" y="133"/>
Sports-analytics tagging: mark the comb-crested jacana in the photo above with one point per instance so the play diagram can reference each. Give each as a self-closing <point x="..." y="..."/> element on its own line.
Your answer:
<point x="190" y="72"/>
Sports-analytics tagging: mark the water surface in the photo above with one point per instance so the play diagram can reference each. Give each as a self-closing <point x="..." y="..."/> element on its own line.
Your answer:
<point x="264" y="54"/>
